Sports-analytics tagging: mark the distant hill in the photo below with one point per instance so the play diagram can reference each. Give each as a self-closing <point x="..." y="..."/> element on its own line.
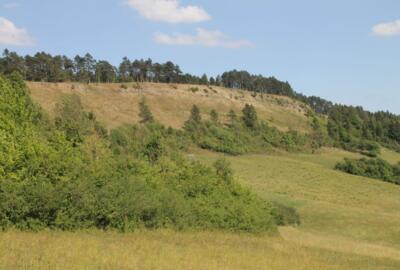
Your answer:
<point x="117" y="103"/>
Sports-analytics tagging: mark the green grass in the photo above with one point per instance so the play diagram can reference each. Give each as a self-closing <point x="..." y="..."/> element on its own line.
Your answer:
<point x="348" y="222"/>
<point x="330" y="202"/>
<point x="390" y="155"/>
<point x="182" y="251"/>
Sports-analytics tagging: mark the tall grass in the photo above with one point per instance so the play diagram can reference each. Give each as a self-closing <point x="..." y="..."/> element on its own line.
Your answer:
<point x="175" y="251"/>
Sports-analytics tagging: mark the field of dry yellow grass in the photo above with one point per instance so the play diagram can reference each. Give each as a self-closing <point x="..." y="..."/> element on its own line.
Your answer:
<point x="188" y="251"/>
<point x="348" y="222"/>
<point x="116" y="104"/>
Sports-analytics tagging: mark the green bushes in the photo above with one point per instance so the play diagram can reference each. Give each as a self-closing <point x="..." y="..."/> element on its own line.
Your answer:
<point x="374" y="168"/>
<point x="243" y="135"/>
<point x="351" y="127"/>
<point x="220" y="139"/>
<point x="285" y="215"/>
<point x="71" y="174"/>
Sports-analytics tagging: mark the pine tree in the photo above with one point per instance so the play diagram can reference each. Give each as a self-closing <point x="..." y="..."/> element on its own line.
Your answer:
<point x="232" y="116"/>
<point x="194" y="118"/>
<point x="214" y="116"/>
<point x="250" y="116"/>
<point x="195" y="115"/>
<point x="145" y="114"/>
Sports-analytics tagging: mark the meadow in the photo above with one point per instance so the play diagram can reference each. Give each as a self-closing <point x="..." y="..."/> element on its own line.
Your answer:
<point x="348" y="222"/>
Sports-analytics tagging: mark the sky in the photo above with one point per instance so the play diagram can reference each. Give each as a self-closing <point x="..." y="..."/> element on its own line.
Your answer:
<point x="347" y="51"/>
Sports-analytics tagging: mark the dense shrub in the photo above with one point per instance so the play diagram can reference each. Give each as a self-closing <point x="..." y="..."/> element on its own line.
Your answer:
<point x="285" y="215"/>
<point x="374" y="168"/>
<point x="73" y="175"/>
<point x="355" y="129"/>
<point x="243" y="135"/>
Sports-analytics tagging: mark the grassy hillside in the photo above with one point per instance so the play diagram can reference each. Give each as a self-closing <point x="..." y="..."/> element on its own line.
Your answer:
<point x="348" y="222"/>
<point x="116" y="104"/>
<point x="330" y="202"/>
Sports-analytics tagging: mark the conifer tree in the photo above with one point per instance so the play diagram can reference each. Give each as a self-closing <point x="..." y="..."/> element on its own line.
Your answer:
<point x="214" y="116"/>
<point x="145" y="114"/>
<point x="232" y="116"/>
<point x="250" y="116"/>
<point x="194" y="118"/>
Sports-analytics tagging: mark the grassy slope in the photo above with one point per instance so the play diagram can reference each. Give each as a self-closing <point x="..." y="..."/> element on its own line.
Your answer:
<point x="170" y="104"/>
<point x="349" y="222"/>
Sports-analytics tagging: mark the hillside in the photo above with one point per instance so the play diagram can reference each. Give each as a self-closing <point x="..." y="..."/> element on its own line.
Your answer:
<point x="116" y="104"/>
<point x="348" y="222"/>
<point x="330" y="202"/>
<point x="174" y="209"/>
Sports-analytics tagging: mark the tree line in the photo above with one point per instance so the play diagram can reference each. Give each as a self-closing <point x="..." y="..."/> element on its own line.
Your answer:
<point x="352" y="128"/>
<point x="59" y="68"/>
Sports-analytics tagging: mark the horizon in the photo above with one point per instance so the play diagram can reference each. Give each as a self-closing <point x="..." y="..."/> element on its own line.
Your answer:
<point x="352" y="60"/>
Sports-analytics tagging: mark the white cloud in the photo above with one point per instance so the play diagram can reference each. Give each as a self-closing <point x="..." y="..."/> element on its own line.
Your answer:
<point x="203" y="37"/>
<point x="11" y="5"/>
<point x="387" y="29"/>
<point x="169" y="11"/>
<point x="12" y="35"/>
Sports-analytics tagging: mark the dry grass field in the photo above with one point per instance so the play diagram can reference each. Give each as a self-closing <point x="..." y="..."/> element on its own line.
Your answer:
<point x="116" y="104"/>
<point x="188" y="251"/>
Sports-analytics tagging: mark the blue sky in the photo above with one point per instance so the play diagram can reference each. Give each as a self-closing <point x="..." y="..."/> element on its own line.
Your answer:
<point x="345" y="51"/>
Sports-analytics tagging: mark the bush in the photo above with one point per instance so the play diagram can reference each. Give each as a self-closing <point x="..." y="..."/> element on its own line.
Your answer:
<point x="194" y="89"/>
<point x="373" y="168"/>
<point x="72" y="175"/>
<point x="285" y="215"/>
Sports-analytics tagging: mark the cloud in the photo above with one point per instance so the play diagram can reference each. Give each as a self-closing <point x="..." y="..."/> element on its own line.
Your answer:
<point x="388" y="29"/>
<point x="12" y="35"/>
<point x="11" y="5"/>
<point x="169" y="11"/>
<point x="204" y="38"/>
